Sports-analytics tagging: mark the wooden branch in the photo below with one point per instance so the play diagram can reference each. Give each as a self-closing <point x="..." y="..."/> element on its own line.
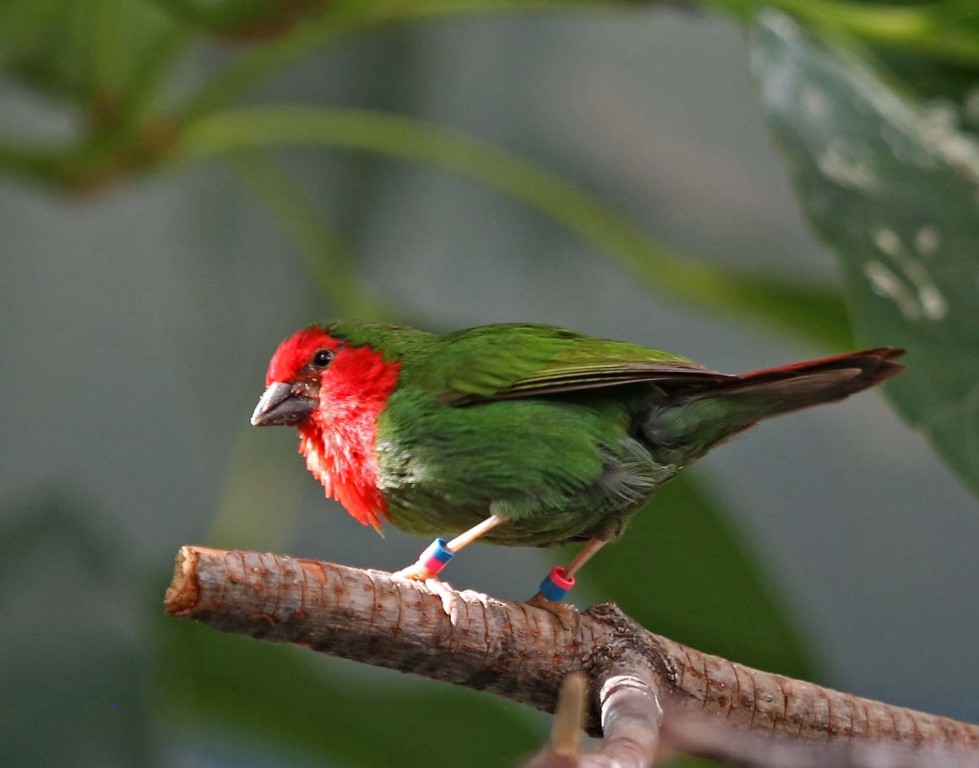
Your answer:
<point x="692" y="734"/>
<point x="631" y="715"/>
<point x="524" y="652"/>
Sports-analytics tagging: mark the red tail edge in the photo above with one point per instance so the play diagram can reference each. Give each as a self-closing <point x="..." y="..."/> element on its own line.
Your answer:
<point x="877" y="361"/>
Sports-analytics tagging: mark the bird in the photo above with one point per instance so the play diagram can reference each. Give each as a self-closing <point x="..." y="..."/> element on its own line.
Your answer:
<point x="518" y="434"/>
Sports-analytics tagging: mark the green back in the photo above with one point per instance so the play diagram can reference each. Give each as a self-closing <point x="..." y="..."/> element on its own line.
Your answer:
<point x="513" y="360"/>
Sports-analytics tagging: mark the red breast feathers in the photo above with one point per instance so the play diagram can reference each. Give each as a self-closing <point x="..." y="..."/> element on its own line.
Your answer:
<point x="337" y="439"/>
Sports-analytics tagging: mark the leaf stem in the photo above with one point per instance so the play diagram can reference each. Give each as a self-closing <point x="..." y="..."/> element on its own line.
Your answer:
<point x="323" y="252"/>
<point x="342" y="19"/>
<point x="812" y="313"/>
<point x="152" y="70"/>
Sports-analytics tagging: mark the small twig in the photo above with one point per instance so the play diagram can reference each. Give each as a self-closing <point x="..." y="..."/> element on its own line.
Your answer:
<point x="565" y="744"/>
<point x="524" y="653"/>
<point x="631" y="716"/>
<point x="569" y="716"/>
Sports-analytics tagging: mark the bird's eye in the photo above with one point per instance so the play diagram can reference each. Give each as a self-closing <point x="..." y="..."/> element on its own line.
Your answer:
<point x="322" y="358"/>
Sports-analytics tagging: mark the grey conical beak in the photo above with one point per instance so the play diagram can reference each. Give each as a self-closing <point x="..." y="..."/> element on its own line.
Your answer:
<point x="280" y="406"/>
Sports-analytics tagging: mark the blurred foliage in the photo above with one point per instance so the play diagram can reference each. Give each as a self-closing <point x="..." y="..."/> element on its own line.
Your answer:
<point x="891" y="189"/>
<point x="690" y="565"/>
<point x="809" y="312"/>
<point x="112" y="66"/>
<point x="287" y="699"/>
<point x="84" y="683"/>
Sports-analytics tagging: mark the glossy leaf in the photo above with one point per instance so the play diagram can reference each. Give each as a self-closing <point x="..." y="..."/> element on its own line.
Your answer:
<point x="892" y="191"/>
<point x="939" y="30"/>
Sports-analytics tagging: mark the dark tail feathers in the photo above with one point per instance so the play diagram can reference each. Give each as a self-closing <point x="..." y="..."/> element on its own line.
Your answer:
<point x="793" y="387"/>
<point x="694" y="419"/>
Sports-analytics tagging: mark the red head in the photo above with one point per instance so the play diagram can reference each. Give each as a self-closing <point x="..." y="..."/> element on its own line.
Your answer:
<point x="332" y="392"/>
<point x="298" y="353"/>
<point x="295" y="378"/>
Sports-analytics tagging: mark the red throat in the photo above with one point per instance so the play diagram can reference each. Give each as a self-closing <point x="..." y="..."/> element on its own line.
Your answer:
<point x="338" y="439"/>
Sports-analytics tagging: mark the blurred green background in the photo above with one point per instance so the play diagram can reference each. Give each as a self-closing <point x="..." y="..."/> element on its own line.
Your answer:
<point x="182" y="184"/>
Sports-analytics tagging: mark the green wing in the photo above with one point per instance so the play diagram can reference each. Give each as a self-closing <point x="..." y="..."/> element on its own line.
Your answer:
<point x="498" y="362"/>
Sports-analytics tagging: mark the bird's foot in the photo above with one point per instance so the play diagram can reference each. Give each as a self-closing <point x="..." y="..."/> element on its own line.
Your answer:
<point x="416" y="572"/>
<point x="568" y="615"/>
<point x="429" y="563"/>
<point x="539" y="601"/>
<point x="552" y="590"/>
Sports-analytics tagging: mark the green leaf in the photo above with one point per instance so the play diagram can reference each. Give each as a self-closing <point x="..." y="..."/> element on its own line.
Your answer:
<point x="86" y="51"/>
<point x="892" y="190"/>
<point x="811" y="312"/>
<point x="940" y="30"/>
<point x="252" y="18"/>
<point x="69" y="666"/>
<point x="289" y="699"/>
<point x="681" y="571"/>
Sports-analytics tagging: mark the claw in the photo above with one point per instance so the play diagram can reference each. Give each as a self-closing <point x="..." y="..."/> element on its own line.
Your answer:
<point x="539" y="601"/>
<point x="568" y="615"/>
<point x="415" y="572"/>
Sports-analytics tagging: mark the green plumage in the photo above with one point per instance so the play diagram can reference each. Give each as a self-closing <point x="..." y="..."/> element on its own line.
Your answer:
<point x="561" y="434"/>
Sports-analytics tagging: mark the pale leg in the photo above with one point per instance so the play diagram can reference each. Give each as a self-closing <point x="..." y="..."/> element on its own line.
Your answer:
<point x="585" y="554"/>
<point x="473" y="533"/>
<point x="423" y="568"/>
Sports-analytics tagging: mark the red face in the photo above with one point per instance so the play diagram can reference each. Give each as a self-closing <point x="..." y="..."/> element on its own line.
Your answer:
<point x="305" y="352"/>
<point x="294" y="378"/>
<point x="333" y="393"/>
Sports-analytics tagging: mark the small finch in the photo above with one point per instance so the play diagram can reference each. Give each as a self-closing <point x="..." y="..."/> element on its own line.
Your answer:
<point x="518" y="434"/>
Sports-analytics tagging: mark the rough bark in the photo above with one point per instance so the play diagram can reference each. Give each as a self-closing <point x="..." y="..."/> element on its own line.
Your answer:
<point x="525" y="652"/>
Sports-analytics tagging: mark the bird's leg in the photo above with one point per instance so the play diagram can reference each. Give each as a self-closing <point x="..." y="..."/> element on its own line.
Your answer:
<point x="438" y="554"/>
<point x="560" y="580"/>
<point x="585" y="554"/>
